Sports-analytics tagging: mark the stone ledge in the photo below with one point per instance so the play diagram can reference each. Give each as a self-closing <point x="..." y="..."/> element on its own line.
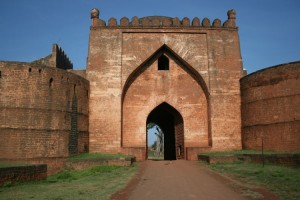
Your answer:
<point x="15" y="174"/>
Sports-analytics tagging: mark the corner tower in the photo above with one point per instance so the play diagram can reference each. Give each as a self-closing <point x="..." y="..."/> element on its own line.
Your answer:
<point x="182" y="69"/>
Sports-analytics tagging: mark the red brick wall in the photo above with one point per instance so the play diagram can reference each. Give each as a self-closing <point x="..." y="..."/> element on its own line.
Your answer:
<point x="270" y="108"/>
<point x="36" y="108"/>
<point x="203" y="86"/>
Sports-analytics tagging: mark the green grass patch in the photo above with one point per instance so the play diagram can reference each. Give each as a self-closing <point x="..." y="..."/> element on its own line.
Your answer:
<point x="281" y="180"/>
<point x="98" y="182"/>
<point x="4" y="164"/>
<point x="226" y="153"/>
<point x="100" y="156"/>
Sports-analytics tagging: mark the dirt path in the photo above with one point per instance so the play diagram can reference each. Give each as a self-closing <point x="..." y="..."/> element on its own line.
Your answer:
<point x="174" y="180"/>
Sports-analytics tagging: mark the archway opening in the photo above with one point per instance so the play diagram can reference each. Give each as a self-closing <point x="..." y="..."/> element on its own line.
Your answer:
<point x="170" y="122"/>
<point x="155" y="142"/>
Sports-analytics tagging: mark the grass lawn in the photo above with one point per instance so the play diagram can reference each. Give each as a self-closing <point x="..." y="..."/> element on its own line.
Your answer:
<point x="98" y="182"/>
<point x="87" y="156"/>
<point x="224" y="153"/>
<point x="4" y="165"/>
<point x="280" y="180"/>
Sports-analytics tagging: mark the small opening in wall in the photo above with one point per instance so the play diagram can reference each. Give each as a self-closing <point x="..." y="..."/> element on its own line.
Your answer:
<point x="0" y="75"/>
<point x="40" y="70"/>
<point x="29" y="69"/>
<point x="87" y="93"/>
<point x="163" y="63"/>
<point x="50" y="82"/>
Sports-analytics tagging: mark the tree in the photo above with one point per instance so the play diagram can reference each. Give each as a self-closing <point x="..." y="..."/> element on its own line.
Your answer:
<point x="150" y="125"/>
<point x="153" y="146"/>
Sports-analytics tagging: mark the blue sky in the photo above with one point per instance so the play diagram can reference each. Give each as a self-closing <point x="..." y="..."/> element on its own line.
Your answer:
<point x="269" y="29"/>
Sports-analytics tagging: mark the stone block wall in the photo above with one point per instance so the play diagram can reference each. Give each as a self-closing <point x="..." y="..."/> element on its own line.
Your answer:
<point x="270" y="108"/>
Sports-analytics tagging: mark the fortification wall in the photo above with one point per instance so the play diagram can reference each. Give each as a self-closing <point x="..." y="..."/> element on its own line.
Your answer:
<point x="270" y="108"/>
<point x="43" y="112"/>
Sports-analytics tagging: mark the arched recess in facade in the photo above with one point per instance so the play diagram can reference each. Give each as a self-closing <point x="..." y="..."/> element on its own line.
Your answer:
<point x="164" y="49"/>
<point x="181" y="86"/>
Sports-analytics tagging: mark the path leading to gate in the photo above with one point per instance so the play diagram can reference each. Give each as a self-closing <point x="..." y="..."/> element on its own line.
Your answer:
<point x="179" y="180"/>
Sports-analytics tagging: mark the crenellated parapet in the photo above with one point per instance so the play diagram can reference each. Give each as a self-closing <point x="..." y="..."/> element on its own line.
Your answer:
<point x="163" y="22"/>
<point x="58" y="59"/>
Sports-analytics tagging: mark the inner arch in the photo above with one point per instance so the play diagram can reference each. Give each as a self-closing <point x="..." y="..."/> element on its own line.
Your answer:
<point x="164" y="49"/>
<point x="171" y="123"/>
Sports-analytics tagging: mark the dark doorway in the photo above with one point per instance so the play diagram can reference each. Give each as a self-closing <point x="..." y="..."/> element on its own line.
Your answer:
<point x="171" y="123"/>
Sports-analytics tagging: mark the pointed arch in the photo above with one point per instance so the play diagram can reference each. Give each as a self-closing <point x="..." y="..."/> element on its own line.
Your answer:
<point x="171" y="122"/>
<point x="168" y="108"/>
<point x="164" y="49"/>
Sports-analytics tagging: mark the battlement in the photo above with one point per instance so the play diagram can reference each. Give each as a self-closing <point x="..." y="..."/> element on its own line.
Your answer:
<point x="61" y="59"/>
<point x="57" y="59"/>
<point x="163" y="22"/>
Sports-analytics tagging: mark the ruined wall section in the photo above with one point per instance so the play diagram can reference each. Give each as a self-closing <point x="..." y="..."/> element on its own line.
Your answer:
<point x="58" y="59"/>
<point x="43" y="112"/>
<point x="270" y="108"/>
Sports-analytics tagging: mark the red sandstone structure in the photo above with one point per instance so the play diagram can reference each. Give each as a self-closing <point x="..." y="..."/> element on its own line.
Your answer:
<point x="183" y="75"/>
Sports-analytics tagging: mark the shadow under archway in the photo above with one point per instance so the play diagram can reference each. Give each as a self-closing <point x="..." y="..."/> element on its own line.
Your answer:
<point x="171" y="123"/>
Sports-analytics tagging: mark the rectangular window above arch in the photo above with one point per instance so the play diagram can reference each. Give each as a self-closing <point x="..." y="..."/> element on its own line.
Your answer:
<point x="163" y="63"/>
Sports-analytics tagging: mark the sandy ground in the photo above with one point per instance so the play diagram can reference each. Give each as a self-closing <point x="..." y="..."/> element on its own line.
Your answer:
<point x="180" y="180"/>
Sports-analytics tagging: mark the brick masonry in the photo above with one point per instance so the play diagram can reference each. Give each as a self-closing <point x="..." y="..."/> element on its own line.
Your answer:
<point x="36" y="112"/>
<point x="202" y="82"/>
<point x="48" y="111"/>
<point x="270" y="108"/>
